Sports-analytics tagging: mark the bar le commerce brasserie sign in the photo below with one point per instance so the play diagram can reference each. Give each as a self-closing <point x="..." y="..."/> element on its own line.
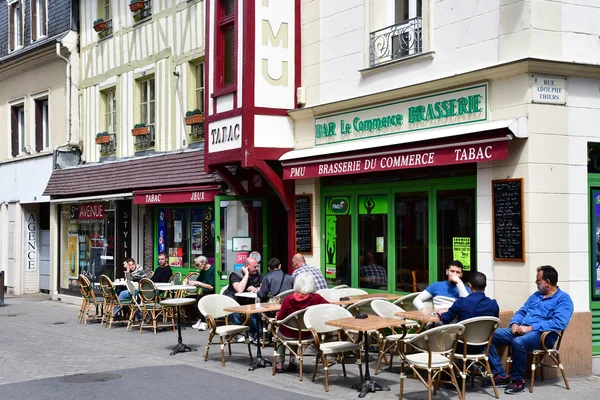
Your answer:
<point x="461" y="106"/>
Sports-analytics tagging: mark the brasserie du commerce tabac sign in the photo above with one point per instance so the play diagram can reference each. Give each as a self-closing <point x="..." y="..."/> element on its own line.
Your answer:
<point x="454" y="107"/>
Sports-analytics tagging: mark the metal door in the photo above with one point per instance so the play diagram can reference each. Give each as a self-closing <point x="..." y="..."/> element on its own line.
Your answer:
<point x="45" y="261"/>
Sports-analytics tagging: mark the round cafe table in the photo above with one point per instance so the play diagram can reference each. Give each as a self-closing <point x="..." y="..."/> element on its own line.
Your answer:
<point x="180" y="348"/>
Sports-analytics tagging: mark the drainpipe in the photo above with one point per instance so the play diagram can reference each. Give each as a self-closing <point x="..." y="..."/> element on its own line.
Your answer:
<point x="68" y="91"/>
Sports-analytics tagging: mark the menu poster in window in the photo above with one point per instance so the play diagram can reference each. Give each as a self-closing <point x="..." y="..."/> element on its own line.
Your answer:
<point x="177" y="234"/>
<point x="303" y="209"/>
<point x="196" y="238"/>
<point x="507" y="209"/>
<point x="175" y="257"/>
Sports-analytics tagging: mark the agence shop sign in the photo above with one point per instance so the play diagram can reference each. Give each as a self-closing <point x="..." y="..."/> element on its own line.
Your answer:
<point x="454" y="107"/>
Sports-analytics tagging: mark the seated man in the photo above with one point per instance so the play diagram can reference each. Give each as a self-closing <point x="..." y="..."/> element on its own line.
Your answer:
<point x="372" y="275"/>
<point x="299" y="262"/>
<point x="444" y="293"/>
<point x="163" y="272"/>
<point x="477" y="304"/>
<point x="548" y="309"/>
<point x="276" y="280"/>
<point x="246" y="279"/>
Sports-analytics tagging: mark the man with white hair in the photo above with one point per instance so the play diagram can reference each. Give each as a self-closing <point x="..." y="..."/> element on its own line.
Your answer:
<point x="299" y="262"/>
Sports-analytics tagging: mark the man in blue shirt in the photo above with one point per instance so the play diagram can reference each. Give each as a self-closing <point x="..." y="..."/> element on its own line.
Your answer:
<point x="548" y="309"/>
<point x="444" y="293"/>
<point x="477" y="304"/>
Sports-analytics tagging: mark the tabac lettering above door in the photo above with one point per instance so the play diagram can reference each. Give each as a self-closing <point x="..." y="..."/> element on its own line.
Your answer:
<point x="225" y="134"/>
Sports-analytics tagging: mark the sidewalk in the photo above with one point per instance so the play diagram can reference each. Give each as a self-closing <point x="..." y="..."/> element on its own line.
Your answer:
<point x="41" y="339"/>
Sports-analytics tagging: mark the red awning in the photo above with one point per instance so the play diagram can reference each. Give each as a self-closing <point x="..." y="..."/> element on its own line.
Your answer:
<point x="190" y="194"/>
<point x="386" y="159"/>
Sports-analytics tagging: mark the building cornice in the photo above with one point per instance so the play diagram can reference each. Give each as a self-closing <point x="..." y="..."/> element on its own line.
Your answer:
<point x="527" y="65"/>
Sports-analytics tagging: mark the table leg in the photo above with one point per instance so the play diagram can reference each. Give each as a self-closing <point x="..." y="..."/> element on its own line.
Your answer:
<point x="180" y="348"/>
<point x="259" y="361"/>
<point x="367" y="385"/>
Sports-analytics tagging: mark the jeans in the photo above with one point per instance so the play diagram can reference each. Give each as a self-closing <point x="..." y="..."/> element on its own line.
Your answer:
<point x="521" y="344"/>
<point x="238" y="319"/>
<point x="124" y="295"/>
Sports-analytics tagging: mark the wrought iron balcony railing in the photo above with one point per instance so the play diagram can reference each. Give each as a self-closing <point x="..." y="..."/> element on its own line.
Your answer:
<point x="396" y="42"/>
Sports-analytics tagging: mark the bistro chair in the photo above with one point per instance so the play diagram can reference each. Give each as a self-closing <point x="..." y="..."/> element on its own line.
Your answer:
<point x="384" y="308"/>
<point x="211" y="307"/>
<point x="112" y="302"/>
<point x="135" y="308"/>
<point x="479" y="331"/>
<point x="151" y="306"/>
<point x="364" y="307"/>
<point x="149" y="274"/>
<point x="340" y="287"/>
<point x="330" y="294"/>
<point x="346" y="292"/>
<point x="314" y="319"/>
<point x="175" y="279"/>
<point x="538" y="357"/>
<point x="406" y="302"/>
<point x="279" y="297"/>
<point x="404" y="280"/>
<point x="434" y="352"/>
<point x="294" y="346"/>
<point x="420" y="280"/>
<point x="89" y="301"/>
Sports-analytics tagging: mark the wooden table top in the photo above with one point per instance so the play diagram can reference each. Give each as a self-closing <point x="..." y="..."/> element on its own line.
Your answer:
<point x="251" y="308"/>
<point x="354" y="299"/>
<point x="371" y="323"/>
<point x="419" y="316"/>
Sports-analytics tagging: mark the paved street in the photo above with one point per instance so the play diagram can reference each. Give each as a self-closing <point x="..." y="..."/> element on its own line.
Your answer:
<point x="44" y="352"/>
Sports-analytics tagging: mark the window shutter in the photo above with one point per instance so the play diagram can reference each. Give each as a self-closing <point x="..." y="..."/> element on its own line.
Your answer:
<point x="14" y="131"/>
<point x="39" y="127"/>
<point x="11" y="33"/>
<point x="33" y="19"/>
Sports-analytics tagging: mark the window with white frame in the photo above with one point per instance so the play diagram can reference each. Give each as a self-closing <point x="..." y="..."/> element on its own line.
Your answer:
<point x="147" y="101"/>
<point x="42" y="131"/>
<point x="15" y="33"/>
<point x="39" y="23"/>
<point x="17" y="129"/>
<point x="110" y="112"/>
<point x="199" y="88"/>
<point x="105" y="10"/>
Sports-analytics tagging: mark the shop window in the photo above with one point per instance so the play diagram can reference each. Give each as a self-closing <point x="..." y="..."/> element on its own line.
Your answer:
<point x="39" y="23"/>
<point x="42" y="133"/>
<point x="372" y="241"/>
<point x="412" y="241"/>
<point x="17" y="129"/>
<point x="87" y="243"/>
<point x="185" y="233"/>
<point x="225" y="45"/>
<point x="338" y="240"/>
<point x="15" y="34"/>
<point x="456" y="226"/>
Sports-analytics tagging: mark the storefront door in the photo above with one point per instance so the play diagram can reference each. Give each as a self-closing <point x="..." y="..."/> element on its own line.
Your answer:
<point x="240" y="226"/>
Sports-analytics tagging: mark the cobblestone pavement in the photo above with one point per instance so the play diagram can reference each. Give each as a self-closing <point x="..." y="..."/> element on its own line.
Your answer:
<point x="40" y="341"/>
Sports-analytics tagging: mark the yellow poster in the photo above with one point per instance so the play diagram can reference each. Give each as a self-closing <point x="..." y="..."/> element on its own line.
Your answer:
<point x="461" y="251"/>
<point x="73" y="255"/>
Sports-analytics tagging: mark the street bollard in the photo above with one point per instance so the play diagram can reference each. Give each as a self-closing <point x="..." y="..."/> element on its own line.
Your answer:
<point x="1" y="288"/>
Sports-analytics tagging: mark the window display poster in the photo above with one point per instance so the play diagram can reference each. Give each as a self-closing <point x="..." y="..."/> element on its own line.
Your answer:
<point x="240" y="257"/>
<point x="177" y="234"/>
<point x="73" y="256"/>
<point x="379" y="244"/>
<point x="461" y="251"/>
<point x="175" y="257"/>
<point x="161" y="231"/>
<point x="196" y="238"/>
<point x="241" y="243"/>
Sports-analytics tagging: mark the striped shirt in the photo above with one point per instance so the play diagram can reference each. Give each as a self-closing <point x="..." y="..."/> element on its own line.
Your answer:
<point x="315" y="272"/>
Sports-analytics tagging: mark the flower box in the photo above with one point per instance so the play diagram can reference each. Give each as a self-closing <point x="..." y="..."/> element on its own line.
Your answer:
<point x="100" y="26"/>
<point x="194" y="119"/>
<point x="136" y="6"/>
<point x="141" y="131"/>
<point x="102" y="139"/>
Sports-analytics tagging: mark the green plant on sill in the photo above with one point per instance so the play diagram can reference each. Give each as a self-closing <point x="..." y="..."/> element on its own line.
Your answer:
<point x="193" y="112"/>
<point x="101" y="134"/>
<point x="140" y="125"/>
<point x="136" y="1"/>
<point x="99" y="20"/>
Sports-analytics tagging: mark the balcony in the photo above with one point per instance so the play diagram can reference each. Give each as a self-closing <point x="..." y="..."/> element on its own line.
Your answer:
<point x="396" y="42"/>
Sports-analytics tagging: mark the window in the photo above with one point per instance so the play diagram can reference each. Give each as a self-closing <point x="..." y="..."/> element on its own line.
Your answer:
<point x="17" y="129"/>
<point x="39" y="27"/>
<point x="199" y="89"/>
<point x="16" y="25"/>
<point x="42" y="134"/>
<point x="147" y="113"/>
<point x="104" y="11"/>
<point x="225" y="45"/>
<point x="109" y="123"/>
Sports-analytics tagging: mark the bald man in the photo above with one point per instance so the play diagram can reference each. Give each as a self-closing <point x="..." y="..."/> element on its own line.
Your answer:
<point x="300" y="266"/>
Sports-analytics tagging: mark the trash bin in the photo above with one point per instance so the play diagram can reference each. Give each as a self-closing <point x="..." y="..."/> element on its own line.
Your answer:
<point x="1" y="288"/>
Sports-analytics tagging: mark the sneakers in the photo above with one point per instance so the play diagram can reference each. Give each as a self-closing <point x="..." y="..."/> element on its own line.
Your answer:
<point x="202" y="326"/>
<point x="515" y="387"/>
<point x="197" y="324"/>
<point x="240" y="339"/>
<point x="500" y="381"/>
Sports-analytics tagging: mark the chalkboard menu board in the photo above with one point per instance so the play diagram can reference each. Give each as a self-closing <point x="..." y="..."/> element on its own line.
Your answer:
<point x="507" y="206"/>
<point x="303" y="210"/>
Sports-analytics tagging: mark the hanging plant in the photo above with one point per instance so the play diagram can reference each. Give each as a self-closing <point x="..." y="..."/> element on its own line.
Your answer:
<point x="140" y="130"/>
<point x="99" y="25"/>
<point x="194" y="117"/>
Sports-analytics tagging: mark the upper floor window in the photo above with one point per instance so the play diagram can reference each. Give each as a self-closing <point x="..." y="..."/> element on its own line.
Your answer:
<point x="199" y="89"/>
<point x="141" y="9"/>
<point x="147" y="113"/>
<point x="15" y="9"/>
<point x="17" y="129"/>
<point x="39" y="25"/>
<point x="104" y="11"/>
<point x="108" y="144"/>
<point x="42" y="131"/>
<point x="401" y="37"/>
<point x="225" y="44"/>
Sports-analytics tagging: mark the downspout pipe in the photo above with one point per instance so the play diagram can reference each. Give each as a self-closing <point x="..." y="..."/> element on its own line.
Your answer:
<point x="68" y="85"/>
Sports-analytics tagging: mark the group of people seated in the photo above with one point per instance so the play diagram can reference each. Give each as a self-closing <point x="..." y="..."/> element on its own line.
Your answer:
<point x="548" y="309"/>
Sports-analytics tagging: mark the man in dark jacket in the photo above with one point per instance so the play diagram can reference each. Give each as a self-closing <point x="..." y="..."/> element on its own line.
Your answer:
<point x="477" y="304"/>
<point x="276" y="281"/>
<point x="163" y="272"/>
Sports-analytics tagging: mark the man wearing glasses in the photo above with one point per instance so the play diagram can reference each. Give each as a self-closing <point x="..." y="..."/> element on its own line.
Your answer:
<point x="548" y="309"/>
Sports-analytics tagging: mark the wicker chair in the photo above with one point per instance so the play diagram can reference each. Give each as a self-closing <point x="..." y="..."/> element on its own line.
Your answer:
<point x="351" y="292"/>
<point x="211" y="307"/>
<point x="89" y="301"/>
<point x="294" y="346"/>
<point x="151" y="305"/>
<point x="112" y="301"/>
<point x="330" y="294"/>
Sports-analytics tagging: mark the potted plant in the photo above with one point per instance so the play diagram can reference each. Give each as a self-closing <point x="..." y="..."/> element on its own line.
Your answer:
<point x="194" y="117"/>
<point x="137" y="5"/>
<point x="140" y="130"/>
<point x="99" y="25"/>
<point x="102" y="137"/>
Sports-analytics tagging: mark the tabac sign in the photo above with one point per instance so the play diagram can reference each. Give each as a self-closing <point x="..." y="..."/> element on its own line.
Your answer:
<point x="439" y="110"/>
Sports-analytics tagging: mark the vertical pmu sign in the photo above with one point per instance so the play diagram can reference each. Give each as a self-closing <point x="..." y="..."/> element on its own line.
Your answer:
<point x="31" y="241"/>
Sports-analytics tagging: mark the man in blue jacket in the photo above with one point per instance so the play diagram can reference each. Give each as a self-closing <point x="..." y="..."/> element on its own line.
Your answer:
<point x="548" y="309"/>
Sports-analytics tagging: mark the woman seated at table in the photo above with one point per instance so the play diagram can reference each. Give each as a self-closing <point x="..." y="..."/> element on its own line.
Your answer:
<point x="204" y="284"/>
<point x="304" y="296"/>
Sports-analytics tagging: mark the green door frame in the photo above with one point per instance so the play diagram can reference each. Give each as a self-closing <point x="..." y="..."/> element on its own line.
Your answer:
<point x="593" y="183"/>
<point x="265" y="252"/>
<point x="431" y="186"/>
